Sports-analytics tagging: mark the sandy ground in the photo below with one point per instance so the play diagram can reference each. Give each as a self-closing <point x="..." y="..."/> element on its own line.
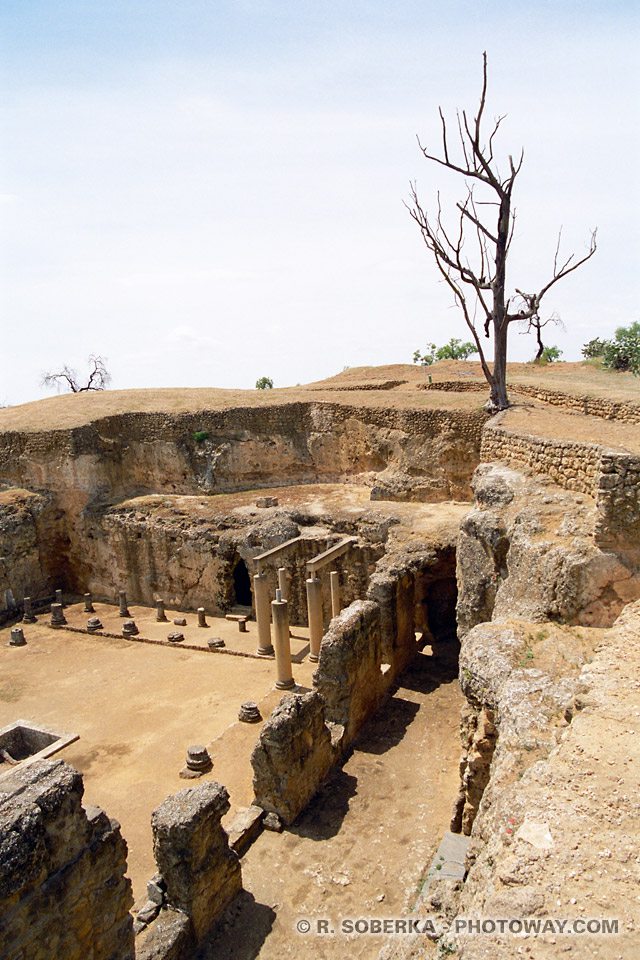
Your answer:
<point x="137" y="707"/>
<point x="363" y="844"/>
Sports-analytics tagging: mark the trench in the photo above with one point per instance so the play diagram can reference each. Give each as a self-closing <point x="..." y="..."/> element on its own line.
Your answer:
<point x="363" y="843"/>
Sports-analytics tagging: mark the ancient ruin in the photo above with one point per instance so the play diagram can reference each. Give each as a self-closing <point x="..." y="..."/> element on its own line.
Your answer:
<point x="302" y="603"/>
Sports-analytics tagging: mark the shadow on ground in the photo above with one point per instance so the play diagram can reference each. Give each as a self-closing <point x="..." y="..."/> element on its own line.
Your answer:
<point x="241" y="931"/>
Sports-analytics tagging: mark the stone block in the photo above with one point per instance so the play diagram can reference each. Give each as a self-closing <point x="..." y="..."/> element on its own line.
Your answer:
<point x="293" y="755"/>
<point x="202" y="874"/>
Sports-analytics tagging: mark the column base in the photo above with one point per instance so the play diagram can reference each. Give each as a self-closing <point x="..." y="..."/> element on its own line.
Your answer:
<point x="266" y="652"/>
<point x="313" y="658"/>
<point x="285" y="684"/>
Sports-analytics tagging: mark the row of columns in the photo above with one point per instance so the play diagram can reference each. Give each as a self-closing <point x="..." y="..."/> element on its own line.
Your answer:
<point x="277" y="610"/>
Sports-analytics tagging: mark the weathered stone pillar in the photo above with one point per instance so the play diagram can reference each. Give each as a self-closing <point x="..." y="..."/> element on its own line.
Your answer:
<point x="280" y="613"/>
<point x="88" y="605"/>
<point x="283" y="583"/>
<point x="122" y="599"/>
<point x="161" y="616"/>
<point x="28" y="611"/>
<point x="59" y="597"/>
<point x="263" y="614"/>
<point x="202" y="620"/>
<point x="202" y="874"/>
<point x="57" y="615"/>
<point x="335" y="593"/>
<point x="17" y="638"/>
<point x="314" y="607"/>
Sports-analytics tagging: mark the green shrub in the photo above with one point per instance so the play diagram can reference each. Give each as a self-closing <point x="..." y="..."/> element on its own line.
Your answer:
<point x="201" y="435"/>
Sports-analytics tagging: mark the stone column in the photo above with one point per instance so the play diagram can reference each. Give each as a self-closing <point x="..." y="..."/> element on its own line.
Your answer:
<point x="59" y="597"/>
<point x="202" y="620"/>
<point x="161" y="616"/>
<point x="280" y="613"/>
<point x="57" y="615"/>
<point x="283" y="583"/>
<point x="314" y="607"/>
<point x="122" y="599"/>
<point x="88" y="605"/>
<point x="335" y="593"/>
<point x="263" y="614"/>
<point x="28" y="611"/>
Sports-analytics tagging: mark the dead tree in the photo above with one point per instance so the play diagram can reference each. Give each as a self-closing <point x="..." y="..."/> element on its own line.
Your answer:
<point x="479" y="286"/>
<point x="536" y="325"/>
<point x="99" y="377"/>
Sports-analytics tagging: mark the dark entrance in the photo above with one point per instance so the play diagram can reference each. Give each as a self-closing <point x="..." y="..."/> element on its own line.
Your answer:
<point x="242" y="584"/>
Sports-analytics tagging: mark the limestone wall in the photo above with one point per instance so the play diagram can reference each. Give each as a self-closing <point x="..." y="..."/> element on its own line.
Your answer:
<point x="589" y="405"/>
<point x="292" y="756"/>
<point x="426" y="454"/>
<point x="200" y="873"/>
<point x="609" y="476"/>
<point x="63" y="892"/>
<point x="350" y="675"/>
<point x="30" y="538"/>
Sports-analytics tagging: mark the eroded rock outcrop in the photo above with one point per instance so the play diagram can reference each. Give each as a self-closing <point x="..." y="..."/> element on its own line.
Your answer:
<point x="527" y="548"/>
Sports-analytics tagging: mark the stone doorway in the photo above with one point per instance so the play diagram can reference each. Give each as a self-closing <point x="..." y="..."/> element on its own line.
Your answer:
<point x="242" y="585"/>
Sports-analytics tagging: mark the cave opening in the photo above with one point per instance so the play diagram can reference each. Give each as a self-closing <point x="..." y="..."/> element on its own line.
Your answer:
<point x="242" y="585"/>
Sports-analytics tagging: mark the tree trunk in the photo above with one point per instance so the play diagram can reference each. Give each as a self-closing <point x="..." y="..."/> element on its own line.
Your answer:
<point x="498" y="399"/>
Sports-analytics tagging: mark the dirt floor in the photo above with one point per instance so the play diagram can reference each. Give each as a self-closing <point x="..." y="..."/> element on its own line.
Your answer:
<point x="138" y="706"/>
<point x="362" y="846"/>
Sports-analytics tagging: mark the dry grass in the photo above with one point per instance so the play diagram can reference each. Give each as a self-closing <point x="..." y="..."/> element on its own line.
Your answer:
<point x="73" y="410"/>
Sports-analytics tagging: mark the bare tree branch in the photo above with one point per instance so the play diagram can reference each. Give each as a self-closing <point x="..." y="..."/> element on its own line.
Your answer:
<point x="480" y="287"/>
<point x="98" y="379"/>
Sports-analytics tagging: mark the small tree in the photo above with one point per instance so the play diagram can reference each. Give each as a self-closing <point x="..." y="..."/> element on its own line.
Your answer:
<point x="480" y="288"/>
<point x="594" y="349"/>
<point x="454" y="350"/>
<point x="99" y="377"/>
<point x="536" y="324"/>
<point x="264" y="383"/>
<point x="623" y="352"/>
<point x="549" y="355"/>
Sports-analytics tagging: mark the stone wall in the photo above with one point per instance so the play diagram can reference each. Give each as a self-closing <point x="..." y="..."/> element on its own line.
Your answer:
<point x="200" y="873"/>
<point x="350" y="675"/>
<point x="571" y="464"/>
<point x="609" y="476"/>
<point x="63" y="892"/>
<point x="421" y="454"/>
<point x="29" y="542"/>
<point x="591" y="406"/>
<point x="292" y="756"/>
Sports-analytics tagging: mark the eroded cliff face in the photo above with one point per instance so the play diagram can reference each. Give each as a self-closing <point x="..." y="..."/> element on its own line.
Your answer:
<point x="527" y="549"/>
<point x="32" y="537"/>
<point x="88" y="471"/>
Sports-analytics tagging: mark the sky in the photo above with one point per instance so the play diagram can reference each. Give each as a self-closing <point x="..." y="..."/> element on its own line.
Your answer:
<point x="208" y="193"/>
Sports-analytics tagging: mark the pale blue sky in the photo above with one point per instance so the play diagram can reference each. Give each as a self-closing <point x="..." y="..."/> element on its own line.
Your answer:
<point x="208" y="193"/>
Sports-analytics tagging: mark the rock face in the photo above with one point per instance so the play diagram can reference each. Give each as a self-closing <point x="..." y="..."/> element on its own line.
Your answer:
<point x="201" y="873"/>
<point x="528" y="547"/>
<point x="292" y="756"/>
<point x="29" y="537"/>
<point x="63" y="890"/>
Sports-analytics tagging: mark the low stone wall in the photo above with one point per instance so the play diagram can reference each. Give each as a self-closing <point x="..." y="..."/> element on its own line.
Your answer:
<point x="292" y="756"/>
<point x="570" y="464"/>
<point x="63" y="890"/>
<point x="591" y="406"/>
<point x="617" y="495"/>
<point x="609" y="476"/>
<point x="199" y="871"/>
<point x="601" y="407"/>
